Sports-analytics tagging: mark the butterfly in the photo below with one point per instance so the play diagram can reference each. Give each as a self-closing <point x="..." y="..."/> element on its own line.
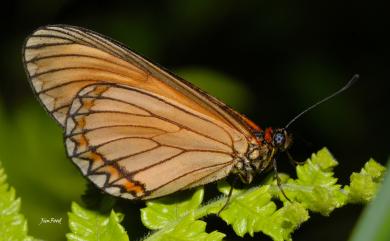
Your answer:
<point x="133" y="128"/>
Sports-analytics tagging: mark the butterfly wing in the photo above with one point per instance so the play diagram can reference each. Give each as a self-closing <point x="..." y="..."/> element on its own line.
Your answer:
<point x="138" y="145"/>
<point x="60" y="60"/>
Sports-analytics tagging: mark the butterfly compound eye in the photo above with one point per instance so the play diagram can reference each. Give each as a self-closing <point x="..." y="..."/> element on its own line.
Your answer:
<point x="279" y="139"/>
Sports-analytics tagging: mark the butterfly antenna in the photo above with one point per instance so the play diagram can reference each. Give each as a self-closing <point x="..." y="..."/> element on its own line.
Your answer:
<point x="345" y="87"/>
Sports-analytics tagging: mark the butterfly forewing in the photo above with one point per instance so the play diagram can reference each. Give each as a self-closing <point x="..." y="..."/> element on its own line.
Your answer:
<point x="60" y="60"/>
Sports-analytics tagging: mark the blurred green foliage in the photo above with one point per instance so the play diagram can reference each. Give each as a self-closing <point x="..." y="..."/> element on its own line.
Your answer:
<point x="32" y="152"/>
<point x="13" y="225"/>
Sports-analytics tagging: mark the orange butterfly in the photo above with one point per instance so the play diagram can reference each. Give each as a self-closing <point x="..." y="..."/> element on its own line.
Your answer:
<point x="134" y="129"/>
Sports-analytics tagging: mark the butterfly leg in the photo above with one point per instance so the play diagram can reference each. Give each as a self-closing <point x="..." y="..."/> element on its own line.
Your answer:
<point x="228" y="196"/>
<point x="278" y="181"/>
<point x="293" y="161"/>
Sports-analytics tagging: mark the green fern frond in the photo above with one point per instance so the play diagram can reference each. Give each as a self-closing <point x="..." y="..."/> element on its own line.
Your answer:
<point x="169" y="209"/>
<point x="187" y="229"/>
<point x="254" y="210"/>
<point x="177" y="217"/>
<point x="13" y="225"/>
<point x="86" y="225"/>
<point x="316" y="187"/>
<point x="365" y="184"/>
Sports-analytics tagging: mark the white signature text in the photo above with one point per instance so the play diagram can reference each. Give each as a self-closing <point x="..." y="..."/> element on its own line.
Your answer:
<point x="50" y="221"/>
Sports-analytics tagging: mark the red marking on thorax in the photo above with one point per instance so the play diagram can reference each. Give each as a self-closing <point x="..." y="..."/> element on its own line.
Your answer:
<point x="268" y="134"/>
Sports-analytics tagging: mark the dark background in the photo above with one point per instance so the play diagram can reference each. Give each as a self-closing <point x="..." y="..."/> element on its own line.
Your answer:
<point x="268" y="59"/>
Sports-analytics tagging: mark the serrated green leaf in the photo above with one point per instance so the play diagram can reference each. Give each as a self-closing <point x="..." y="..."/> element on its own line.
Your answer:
<point x="284" y="221"/>
<point x="375" y="170"/>
<point x="188" y="229"/>
<point x="13" y="226"/>
<point x="364" y="184"/>
<point x="86" y="225"/>
<point x="315" y="187"/>
<point x="324" y="159"/>
<point x="163" y="211"/>
<point x="249" y="210"/>
<point x="253" y="211"/>
<point x="317" y="170"/>
<point x="375" y="220"/>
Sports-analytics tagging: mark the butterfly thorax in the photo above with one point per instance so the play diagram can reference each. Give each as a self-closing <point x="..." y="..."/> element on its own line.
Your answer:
<point x="263" y="149"/>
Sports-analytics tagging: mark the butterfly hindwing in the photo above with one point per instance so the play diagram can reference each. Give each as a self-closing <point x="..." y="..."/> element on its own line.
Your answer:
<point x="136" y="144"/>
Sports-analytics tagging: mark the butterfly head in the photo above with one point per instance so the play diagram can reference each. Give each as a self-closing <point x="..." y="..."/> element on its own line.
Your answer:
<point x="277" y="139"/>
<point x="267" y="144"/>
<point x="280" y="139"/>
